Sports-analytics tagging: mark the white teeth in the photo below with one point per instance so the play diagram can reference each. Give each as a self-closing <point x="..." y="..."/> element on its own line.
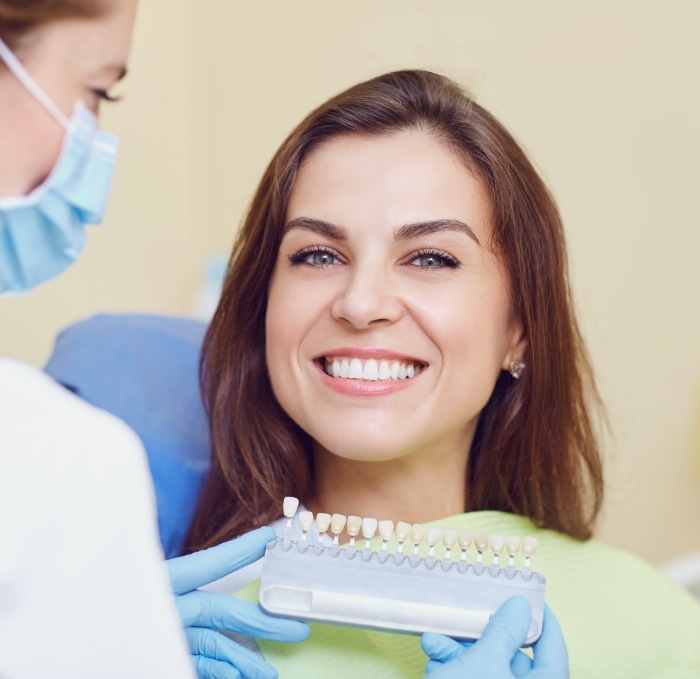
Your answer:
<point x="371" y="369"/>
<point x="529" y="546"/>
<point x="512" y="545"/>
<point x="403" y="530"/>
<point x="323" y="521"/>
<point x="418" y="531"/>
<point x="433" y="535"/>
<point x="354" y="526"/>
<point x="449" y="537"/>
<point x="386" y="530"/>
<point x="306" y="519"/>
<point x="338" y="523"/>
<point x="456" y="543"/>
<point x="481" y="541"/>
<point x="384" y="370"/>
<point x="369" y="528"/>
<point x="290" y="506"/>
<point x="356" y="369"/>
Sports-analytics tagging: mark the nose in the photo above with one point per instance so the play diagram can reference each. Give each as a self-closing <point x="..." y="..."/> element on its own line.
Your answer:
<point x="367" y="298"/>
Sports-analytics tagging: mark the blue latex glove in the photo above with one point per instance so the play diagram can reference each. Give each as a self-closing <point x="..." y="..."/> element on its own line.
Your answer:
<point x="215" y="656"/>
<point x="496" y="655"/>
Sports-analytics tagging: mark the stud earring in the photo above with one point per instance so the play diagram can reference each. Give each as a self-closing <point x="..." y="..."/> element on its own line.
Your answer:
<point x="516" y="369"/>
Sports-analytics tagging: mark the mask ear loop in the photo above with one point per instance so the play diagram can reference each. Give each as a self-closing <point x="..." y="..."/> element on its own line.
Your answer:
<point x="32" y="86"/>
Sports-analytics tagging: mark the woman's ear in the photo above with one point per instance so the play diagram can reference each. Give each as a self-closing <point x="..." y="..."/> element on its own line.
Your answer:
<point x="517" y="348"/>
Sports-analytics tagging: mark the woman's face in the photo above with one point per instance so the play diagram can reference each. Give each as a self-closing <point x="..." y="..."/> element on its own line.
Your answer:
<point x="388" y="317"/>
<point x="70" y="60"/>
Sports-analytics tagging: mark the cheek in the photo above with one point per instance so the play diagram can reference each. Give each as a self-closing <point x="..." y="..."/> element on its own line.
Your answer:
<point x="471" y="321"/>
<point x="276" y="330"/>
<point x="40" y="139"/>
<point x="47" y="148"/>
<point x="286" y="323"/>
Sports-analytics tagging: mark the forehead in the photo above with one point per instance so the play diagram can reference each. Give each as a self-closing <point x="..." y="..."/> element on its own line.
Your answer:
<point x="394" y="178"/>
<point x="82" y="44"/>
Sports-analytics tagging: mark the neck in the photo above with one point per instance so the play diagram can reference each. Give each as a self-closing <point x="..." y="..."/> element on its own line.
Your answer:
<point x="417" y="488"/>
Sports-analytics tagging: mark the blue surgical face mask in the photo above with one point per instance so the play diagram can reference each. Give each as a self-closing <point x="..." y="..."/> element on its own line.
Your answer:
<point x="43" y="232"/>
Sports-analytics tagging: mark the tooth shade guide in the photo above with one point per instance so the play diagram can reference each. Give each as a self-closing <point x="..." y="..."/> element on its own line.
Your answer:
<point x="386" y="530"/>
<point x="403" y="532"/>
<point x="337" y="526"/>
<point x="428" y="541"/>
<point x="306" y="520"/>
<point x="433" y="535"/>
<point x="428" y="595"/>
<point x="449" y="538"/>
<point x="353" y="527"/>
<point x="289" y="509"/>
<point x="529" y="546"/>
<point x="323" y="522"/>
<point x="464" y="537"/>
<point x="497" y="542"/>
<point x="481" y="542"/>
<point x="418" y="533"/>
<point x="369" y="529"/>
<point x="512" y="547"/>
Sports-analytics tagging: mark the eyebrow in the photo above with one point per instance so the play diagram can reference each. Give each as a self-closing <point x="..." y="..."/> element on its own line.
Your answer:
<point x="434" y="226"/>
<point x="405" y="232"/>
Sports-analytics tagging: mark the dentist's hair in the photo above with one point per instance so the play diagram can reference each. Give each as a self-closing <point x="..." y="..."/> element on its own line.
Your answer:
<point x="20" y="17"/>
<point x="535" y="451"/>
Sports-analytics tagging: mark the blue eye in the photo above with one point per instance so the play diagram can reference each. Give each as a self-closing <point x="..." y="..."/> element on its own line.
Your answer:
<point x="432" y="260"/>
<point x="319" y="257"/>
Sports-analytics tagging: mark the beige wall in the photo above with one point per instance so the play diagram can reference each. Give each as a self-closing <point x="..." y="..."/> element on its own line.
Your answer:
<point x="605" y="98"/>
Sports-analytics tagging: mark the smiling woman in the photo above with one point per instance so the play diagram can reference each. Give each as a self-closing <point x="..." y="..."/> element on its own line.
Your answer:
<point x="395" y="339"/>
<point x="400" y="222"/>
<point x="407" y="288"/>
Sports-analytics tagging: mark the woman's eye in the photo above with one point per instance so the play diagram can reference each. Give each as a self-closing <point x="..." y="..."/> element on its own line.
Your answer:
<point x="104" y="95"/>
<point x="434" y="260"/>
<point x="316" y="257"/>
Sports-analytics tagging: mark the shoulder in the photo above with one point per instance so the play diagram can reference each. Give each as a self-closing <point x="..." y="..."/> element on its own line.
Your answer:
<point x="43" y="419"/>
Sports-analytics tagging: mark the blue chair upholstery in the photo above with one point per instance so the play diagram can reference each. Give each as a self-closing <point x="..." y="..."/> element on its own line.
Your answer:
<point x="144" y="370"/>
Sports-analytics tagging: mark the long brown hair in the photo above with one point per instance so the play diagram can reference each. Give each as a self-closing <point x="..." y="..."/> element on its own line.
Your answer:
<point x="534" y="452"/>
<point x="20" y="17"/>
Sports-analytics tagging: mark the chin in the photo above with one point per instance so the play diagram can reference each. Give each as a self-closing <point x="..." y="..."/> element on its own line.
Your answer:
<point x="368" y="449"/>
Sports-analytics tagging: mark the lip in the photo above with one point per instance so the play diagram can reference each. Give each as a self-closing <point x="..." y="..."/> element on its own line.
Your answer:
<point x="362" y="387"/>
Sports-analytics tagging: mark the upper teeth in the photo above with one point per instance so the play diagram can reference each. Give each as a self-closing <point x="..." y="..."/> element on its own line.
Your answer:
<point x="371" y="369"/>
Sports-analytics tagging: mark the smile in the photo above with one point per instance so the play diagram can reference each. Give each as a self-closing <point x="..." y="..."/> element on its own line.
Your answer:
<point x="371" y="369"/>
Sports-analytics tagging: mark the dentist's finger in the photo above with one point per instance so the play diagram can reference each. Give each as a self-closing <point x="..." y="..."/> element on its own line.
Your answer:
<point x="214" y="645"/>
<point x="439" y="647"/>
<point x="550" y="652"/>
<point x="507" y="629"/>
<point x="194" y="570"/>
<point x="221" y="611"/>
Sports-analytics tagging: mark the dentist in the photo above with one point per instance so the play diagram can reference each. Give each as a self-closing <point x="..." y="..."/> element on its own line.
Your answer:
<point x="83" y="588"/>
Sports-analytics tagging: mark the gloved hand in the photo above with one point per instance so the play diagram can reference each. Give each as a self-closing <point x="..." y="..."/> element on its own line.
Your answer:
<point x="496" y="655"/>
<point x="215" y="656"/>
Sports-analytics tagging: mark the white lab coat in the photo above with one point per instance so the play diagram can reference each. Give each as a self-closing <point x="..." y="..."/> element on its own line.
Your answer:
<point x="83" y="589"/>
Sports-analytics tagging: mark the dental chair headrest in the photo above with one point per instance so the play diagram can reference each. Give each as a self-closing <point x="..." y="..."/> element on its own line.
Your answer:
<point x="144" y="370"/>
